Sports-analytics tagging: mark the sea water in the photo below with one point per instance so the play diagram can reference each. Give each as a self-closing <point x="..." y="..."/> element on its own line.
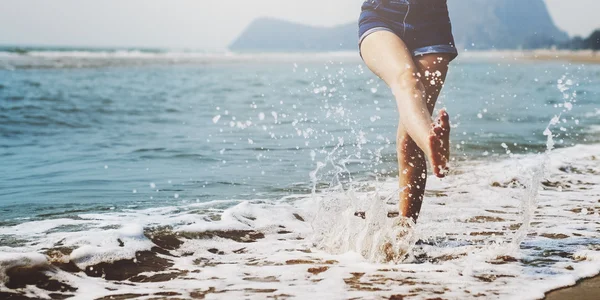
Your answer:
<point x="226" y="175"/>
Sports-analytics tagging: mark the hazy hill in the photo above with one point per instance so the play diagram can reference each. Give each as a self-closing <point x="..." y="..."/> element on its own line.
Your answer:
<point x="479" y="24"/>
<point x="501" y="23"/>
<point x="278" y="35"/>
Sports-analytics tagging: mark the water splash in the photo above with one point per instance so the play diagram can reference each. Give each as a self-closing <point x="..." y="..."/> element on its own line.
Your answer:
<point x="361" y="222"/>
<point x="537" y="172"/>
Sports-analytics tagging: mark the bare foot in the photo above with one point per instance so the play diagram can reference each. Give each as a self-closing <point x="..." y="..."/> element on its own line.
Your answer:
<point x="398" y="242"/>
<point x="439" y="144"/>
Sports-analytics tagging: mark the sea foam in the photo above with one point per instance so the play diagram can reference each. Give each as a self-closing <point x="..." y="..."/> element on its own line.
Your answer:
<point x="513" y="228"/>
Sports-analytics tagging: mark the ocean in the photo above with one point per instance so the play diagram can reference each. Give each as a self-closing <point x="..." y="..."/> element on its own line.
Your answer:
<point x="159" y="174"/>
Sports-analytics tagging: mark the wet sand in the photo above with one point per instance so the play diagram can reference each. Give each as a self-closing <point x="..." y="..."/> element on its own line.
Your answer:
<point x="579" y="57"/>
<point x="585" y="56"/>
<point x="587" y="289"/>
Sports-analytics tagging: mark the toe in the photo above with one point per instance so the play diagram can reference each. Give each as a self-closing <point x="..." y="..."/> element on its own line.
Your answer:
<point x="444" y="119"/>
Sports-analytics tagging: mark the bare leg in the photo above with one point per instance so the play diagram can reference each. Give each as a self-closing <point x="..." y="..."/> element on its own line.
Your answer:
<point x="411" y="160"/>
<point x="416" y="86"/>
<point x="389" y="58"/>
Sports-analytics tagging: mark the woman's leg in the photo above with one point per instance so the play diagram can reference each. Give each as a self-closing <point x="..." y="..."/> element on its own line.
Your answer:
<point x="389" y="58"/>
<point x="411" y="160"/>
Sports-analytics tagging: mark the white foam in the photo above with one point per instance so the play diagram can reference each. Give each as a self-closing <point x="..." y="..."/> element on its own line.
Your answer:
<point x="593" y="114"/>
<point x="469" y="222"/>
<point x="110" y="246"/>
<point x="593" y="128"/>
<point x="38" y="227"/>
<point x="10" y="260"/>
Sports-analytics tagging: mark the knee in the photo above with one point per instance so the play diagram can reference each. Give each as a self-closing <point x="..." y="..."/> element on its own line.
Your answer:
<point x="408" y="78"/>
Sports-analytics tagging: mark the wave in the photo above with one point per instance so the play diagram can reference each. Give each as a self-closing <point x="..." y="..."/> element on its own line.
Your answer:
<point x="29" y="49"/>
<point x="490" y="230"/>
<point x="52" y="52"/>
<point x="93" y="58"/>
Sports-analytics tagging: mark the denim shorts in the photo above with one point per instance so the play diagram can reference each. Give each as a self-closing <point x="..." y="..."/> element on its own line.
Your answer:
<point x="423" y="25"/>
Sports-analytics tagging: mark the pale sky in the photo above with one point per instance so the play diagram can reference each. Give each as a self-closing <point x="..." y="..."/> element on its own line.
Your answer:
<point x="197" y="24"/>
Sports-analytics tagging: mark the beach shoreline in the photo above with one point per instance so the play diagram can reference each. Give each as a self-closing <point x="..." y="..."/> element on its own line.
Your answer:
<point x="540" y="55"/>
<point x="98" y="59"/>
<point x="584" y="56"/>
<point x="588" y="288"/>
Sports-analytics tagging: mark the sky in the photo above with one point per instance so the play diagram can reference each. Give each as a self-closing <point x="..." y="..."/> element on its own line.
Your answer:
<point x="197" y="24"/>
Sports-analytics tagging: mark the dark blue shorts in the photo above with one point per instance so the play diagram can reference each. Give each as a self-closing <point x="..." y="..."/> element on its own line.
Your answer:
<point x="423" y="25"/>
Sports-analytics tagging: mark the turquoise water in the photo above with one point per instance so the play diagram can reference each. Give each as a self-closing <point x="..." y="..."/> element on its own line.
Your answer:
<point x="192" y="174"/>
<point x="105" y="138"/>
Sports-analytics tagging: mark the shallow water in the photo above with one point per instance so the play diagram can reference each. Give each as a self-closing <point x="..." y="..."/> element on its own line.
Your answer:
<point x="104" y="157"/>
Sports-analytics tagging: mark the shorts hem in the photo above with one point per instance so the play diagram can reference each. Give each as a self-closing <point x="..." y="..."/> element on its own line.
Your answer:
<point x="446" y="49"/>
<point x="372" y="30"/>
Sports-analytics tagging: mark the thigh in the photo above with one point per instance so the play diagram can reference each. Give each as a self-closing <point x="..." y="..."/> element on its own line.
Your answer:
<point x="433" y="69"/>
<point x="387" y="56"/>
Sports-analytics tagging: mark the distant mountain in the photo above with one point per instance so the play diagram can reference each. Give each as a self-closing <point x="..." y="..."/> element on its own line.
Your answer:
<point x="267" y="34"/>
<point x="501" y="24"/>
<point x="477" y="24"/>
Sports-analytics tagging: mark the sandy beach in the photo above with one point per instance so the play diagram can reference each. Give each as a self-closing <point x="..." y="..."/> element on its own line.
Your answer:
<point x="580" y="56"/>
<point x="584" y="56"/>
